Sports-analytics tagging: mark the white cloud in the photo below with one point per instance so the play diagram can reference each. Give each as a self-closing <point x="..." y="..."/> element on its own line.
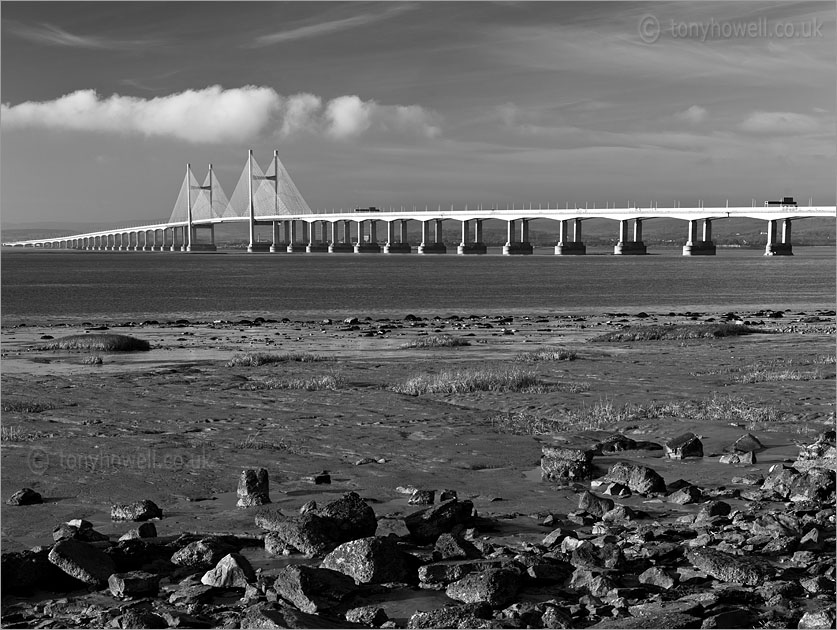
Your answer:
<point x="779" y="123"/>
<point x="216" y="115"/>
<point x="693" y="115"/>
<point x="50" y="35"/>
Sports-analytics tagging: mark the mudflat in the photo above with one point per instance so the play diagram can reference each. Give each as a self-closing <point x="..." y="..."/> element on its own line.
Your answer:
<point x="364" y="401"/>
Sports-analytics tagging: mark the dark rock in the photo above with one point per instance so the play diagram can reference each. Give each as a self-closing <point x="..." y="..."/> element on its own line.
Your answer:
<point x="686" y="445"/>
<point x="639" y="479"/>
<point x="22" y="571"/>
<point x="747" y="443"/>
<point x="313" y="589"/>
<point x="369" y="560"/>
<point x="442" y="573"/>
<point x="745" y="459"/>
<point x="422" y="497"/>
<point x="310" y="534"/>
<point x="728" y="568"/>
<point x="685" y="496"/>
<point x="622" y="514"/>
<point x="590" y="503"/>
<point x="140" y="618"/>
<point x="78" y="529"/>
<point x="453" y="548"/>
<point x="352" y="516"/>
<point x="495" y="587"/>
<point x="812" y="485"/>
<point x="464" y="616"/>
<point x="191" y="594"/>
<point x="711" y="509"/>
<point x="656" y="576"/>
<point x="202" y="553"/>
<point x="673" y="620"/>
<point x="137" y="511"/>
<point x="817" y="619"/>
<point x="232" y="571"/>
<point x="25" y="496"/>
<point x="253" y="488"/>
<point x="592" y="583"/>
<point x="615" y="444"/>
<point x="566" y="464"/>
<point x="134" y="584"/>
<point x="146" y="530"/>
<point x="425" y="526"/>
<point x="369" y="616"/>
<point x="82" y="561"/>
<point x="275" y="615"/>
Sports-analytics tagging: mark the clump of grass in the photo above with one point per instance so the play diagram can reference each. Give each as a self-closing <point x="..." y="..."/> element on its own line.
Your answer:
<point x="255" y="359"/>
<point x="679" y="331"/>
<point x="310" y="383"/>
<point x="465" y="381"/>
<point x="771" y="376"/>
<point x="436" y="341"/>
<point x="546" y="354"/>
<point x="93" y="359"/>
<point x="252" y="442"/>
<point x="102" y="343"/>
<point x="24" y="406"/>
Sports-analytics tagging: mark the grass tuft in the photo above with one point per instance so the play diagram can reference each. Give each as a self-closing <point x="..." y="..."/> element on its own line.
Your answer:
<point x="436" y="341"/>
<point x="255" y="359"/>
<point x="772" y="376"/>
<point x="102" y="343"/>
<point x="679" y="331"/>
<point x="93" y="359"/>
<point x="311" y="383"/>
<point x="22" y="406"/>
<point x="465" y="381"/>
<point x="547" y="354"/>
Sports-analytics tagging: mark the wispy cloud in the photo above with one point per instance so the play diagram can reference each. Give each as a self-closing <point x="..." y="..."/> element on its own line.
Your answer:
<point x="54" y="36"/>
<point x="780" y="123"/>
<point x="332" y="26"/>
<point x="693" y="115"/>
<point x="217" y="115"/>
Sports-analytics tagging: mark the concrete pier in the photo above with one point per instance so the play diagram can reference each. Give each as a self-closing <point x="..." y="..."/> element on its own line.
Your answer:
<point x="517" y="248"/>
<point x="702" y="247"/>
<point x="775" y="247"/>
<point x="401" y="246"/>
<point x="471" y="247"/>
<point x="630" y="248"/>
<point x="367" y="244"/>
<point x="565" y="246"/>
<point x="435" y="246"/>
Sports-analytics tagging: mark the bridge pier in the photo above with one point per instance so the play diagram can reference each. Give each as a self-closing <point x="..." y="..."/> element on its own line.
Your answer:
<point x="397" y="247"/>
<point x="471" y="247"/>
<point x="314" y="245"/>
<point x="565" y="246"/>
<point x="517" y="248"/>
<point x="437" y="246"/>
<point x="775" y="247"/>
<point x="343" y="246"/>
<point x="630" y="248"/>
<point x="370" y="245"/>
<point x="703" y="247"/>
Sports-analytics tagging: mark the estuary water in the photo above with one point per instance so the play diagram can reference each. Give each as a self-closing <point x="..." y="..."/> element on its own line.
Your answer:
<point x="40" y="286"/>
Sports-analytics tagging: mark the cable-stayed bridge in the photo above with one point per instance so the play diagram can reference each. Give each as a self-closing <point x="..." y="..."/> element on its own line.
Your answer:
<point x="270" y="197"/>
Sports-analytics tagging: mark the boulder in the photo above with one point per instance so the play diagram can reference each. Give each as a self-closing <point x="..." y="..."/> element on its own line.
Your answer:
<point x="232" y="571"/>
<point x="23" y="571"/>
<point x="463" y="616"/>
<point x="25" y="496"/>
<point x="747" y="443"/>
<point x="812" y="485"/>
<point x="686" y="445"/>
<point x="191" y="594"/>
<point x="78" y="529"/>
<point x="728" y="568"/>
<point x="615" y="444"/>
<point x="309" y="534"/>
<point x="438" y="574"/>
<point x="82" y="561"/>
<point x="204" y="552"/>
<point x="137" y="511"/>
<point x="369" y="616"/>
<point x="450" y="547"/>
<point x="146" y="530"/>
<point x="639" y="479"/>
<point x="597" y="506"/>
<point x="685" y="496"/>
<point x="370" y="560"/>
<point x="566" y="464"/>
<point x="422" y="497"/>
<point x="253" y="488"/>
<point x="656" y="576"/>
<point x="276" y="615"/>
<point x="352" y="517"/>
<point x="134" y="584"/>
<point x="140" y="618"/>
<point x="495" y="587"/>
<point x="313" y="589"/>
<point x="817" y="619"/>
<point x="426" y="525"/>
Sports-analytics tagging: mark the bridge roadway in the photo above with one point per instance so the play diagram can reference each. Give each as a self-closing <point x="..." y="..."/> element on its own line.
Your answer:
<point x="183" y="235"/>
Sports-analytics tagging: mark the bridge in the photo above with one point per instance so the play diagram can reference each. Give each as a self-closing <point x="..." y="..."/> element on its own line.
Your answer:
<point x="271" y="198"/>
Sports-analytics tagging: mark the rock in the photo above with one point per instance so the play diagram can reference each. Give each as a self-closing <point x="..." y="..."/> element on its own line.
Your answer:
<point x="622" y="514"/>
<point x="615" y="444"/>
<point x="711" y="509"/>
<point x="464" y="616"/>
<point x="191" y="594"/>
<point x="352" y="516"/>
<point x="232" y="571"/>
<point x="592" y="583"/>
<point x="422" y="497"/>
<point x="686" y="445"/>
<point x="369" y="616"/>
<point x="204" y="552"/>
<point x="452" y="548"/>
<point x="685" y="496"/>
<point x="728" y="568"/>
<point x="616" y="490"/>
<point x="426" y="525"/>
<point x="747" y="443"/>
<point x="438" y="574"/>
<point x="820" y="454"/>
<point x="22" y="571"/>
<point x="662" y="619"/>
<point x="656" y="576"/>
<point x="137" y="511"/>
<point x="370" y="560"/>
<point x="639" y="479"/>
<point x="134" y="584"/>
<point x="818" y="619"/>
<point x="275" y="615"/>
<point x="495" y="587"/>
<point x="747" y="458"/>
<point x="140" y="618"/>
<point x="146" y="530"/>
<point x="566" y="464"/>
<point x="309" y="533"/>
<point x="253" y="488"/>
<point x="25" y="496"/>
<point x="313" y="589"/>
<point x="78" y="529"/>
<point x="82" y="561"/>
<point x="590" y="503"/>
<point x="812" y="485"/>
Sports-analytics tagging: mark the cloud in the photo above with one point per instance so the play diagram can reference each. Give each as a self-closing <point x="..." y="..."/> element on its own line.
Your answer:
<point x="779" y="123"/>
<point x="333" y="26"/>
<point x="218" y="115"/>
<point x="693" y="115"/>
<point x="54" y="36"/>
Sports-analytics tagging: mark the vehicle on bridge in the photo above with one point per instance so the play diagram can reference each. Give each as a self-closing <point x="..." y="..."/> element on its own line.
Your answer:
<point x="369" y="209"/>
<point x="786" y="201"/>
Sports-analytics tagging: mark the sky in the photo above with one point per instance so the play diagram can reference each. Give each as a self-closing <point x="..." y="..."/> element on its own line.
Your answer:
<point x="415" y="103"/>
